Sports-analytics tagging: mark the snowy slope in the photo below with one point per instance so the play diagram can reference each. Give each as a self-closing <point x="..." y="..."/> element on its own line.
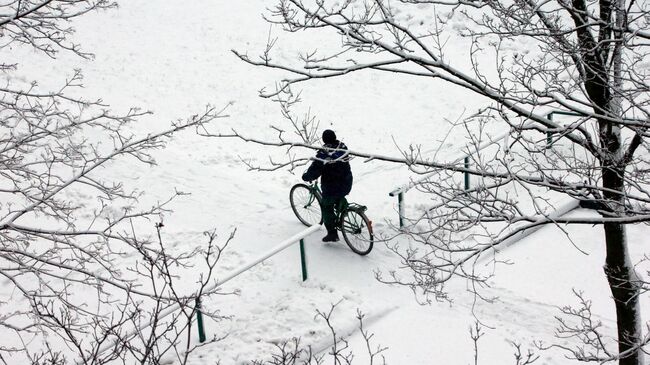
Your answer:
<point x="173" y="59"/>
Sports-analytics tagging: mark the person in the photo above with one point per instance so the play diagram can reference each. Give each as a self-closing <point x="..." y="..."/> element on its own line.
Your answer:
<point x="333" y="167"/>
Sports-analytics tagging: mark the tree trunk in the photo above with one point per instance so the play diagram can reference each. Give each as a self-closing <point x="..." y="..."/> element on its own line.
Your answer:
<point x="621" y="276"/>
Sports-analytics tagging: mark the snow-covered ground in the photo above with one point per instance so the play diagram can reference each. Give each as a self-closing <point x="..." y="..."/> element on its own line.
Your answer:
<point x="173" y="59"/>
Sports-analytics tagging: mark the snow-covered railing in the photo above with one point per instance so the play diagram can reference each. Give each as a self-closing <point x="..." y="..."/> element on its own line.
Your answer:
<point x="297" y="238"/>
<point x="563" y="208"/>
<point x="465" y="157"/>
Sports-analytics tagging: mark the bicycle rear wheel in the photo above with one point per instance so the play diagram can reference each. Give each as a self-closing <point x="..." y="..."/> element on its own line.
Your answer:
<point x="357" y="231"/>
<point x="305" y="204"/>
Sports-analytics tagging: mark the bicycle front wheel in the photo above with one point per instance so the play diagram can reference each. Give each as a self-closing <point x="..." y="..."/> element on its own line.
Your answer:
<point x="305" y="204"/>
<point x="357" y="232"/>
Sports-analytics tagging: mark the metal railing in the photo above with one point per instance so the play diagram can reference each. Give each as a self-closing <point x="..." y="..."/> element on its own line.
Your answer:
<point x="297" y="238"/>
<point x="464" y="157"/>
<point x="549" y="116"/>
<point x="563" y="208"/>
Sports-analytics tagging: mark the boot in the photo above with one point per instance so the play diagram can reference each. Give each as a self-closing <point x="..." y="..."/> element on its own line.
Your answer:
<point x="332" y="235"/>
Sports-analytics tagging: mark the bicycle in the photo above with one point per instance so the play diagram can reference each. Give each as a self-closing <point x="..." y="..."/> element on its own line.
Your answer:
<point x="351" y="219"/>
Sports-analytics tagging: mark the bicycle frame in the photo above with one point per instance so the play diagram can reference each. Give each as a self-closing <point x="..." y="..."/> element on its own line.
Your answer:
<point x="315" y="192"/>
<point x="339" y="210"/>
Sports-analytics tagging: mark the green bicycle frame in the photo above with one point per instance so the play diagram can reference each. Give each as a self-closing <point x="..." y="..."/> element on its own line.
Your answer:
<point x="340" y="209"/>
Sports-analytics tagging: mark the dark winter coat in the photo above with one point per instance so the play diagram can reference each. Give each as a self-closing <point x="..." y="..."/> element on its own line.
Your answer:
<point x="333" y="167"/>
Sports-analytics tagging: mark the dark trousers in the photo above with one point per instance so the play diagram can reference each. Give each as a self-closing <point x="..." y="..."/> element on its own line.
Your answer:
<point x="328" y="206"/>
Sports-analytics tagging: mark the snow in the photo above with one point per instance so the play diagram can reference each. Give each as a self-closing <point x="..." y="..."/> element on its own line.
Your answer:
<point x="174" y="58"/>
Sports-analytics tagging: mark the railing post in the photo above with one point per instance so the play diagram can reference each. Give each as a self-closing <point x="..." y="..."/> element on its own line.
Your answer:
<point x="549" y="135"/>
<point x="303" y="260"/>
<point x="199" y="320"/>
<point x="400" y="208"/>
<point x="466" y="173"/>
